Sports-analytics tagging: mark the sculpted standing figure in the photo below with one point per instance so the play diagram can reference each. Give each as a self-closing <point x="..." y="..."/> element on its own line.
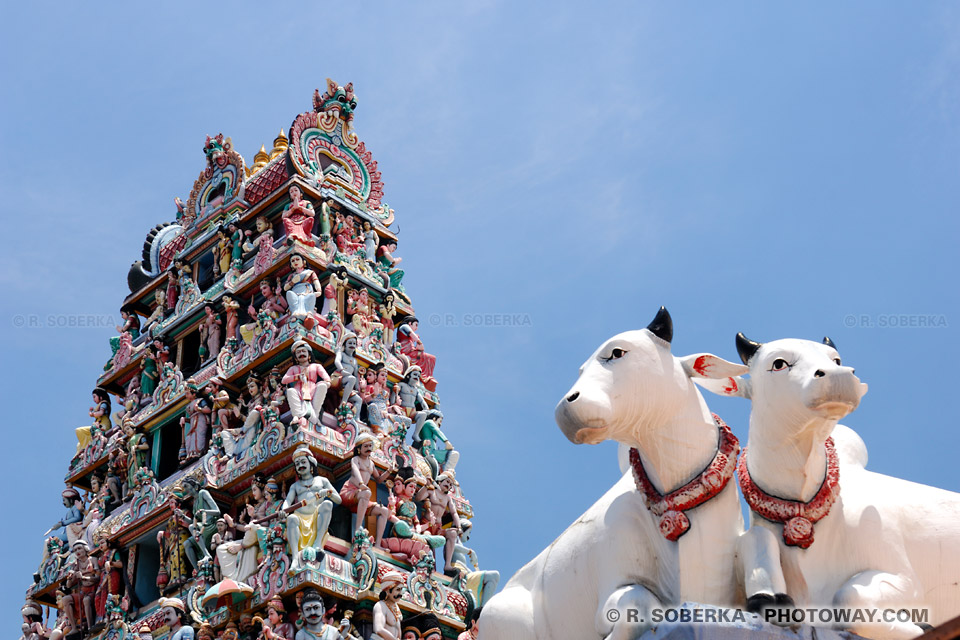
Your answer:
<point x="149" y="372"/>
<point x="307" y="383"/>
<point x="310" y="504"/>
<point x="110" y="566"/>
<point x="434" y="446"/>
<point x="347" y="367"/>
<point x="410" y="399"/>
<point x="443" y="507"/>
<point x="356" y="493"/>
<point x="232" y="308"/>
<point x="83" y="580"/>
<point x="314" y="628"/>
<point x="298" y="218"/>
<point x="263" y="245"/>
<point x="371" y="240"/>
<point x="387" y="616"/>
<point x="206" y="512"/>
<point x="196" y="421"/>
<point x="375" y="394"/>
<point x="210" y="333"/>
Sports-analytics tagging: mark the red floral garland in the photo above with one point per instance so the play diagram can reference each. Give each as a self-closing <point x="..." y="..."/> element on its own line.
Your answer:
<point x="796" y="517"/>
<point x="669" y="508"/>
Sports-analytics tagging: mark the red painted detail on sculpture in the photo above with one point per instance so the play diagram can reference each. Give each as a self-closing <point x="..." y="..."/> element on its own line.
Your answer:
<point x="797" y="517"/>
<point x="670" y="508"/>
<point x="701" y="365"/>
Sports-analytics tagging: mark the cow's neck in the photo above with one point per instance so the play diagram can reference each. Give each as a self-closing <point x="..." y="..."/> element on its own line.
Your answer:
<point x="685" y="444"/>
<point x="792" y="466"/>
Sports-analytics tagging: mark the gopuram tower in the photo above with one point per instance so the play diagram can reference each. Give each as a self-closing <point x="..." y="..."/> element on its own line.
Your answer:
<point x="265" y="455"/>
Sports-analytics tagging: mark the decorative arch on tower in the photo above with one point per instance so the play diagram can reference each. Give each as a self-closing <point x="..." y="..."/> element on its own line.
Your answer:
<point x="328" y="154"/>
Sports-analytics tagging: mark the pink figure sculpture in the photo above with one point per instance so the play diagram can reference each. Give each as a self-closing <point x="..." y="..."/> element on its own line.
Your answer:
<point x="298" y="218"/>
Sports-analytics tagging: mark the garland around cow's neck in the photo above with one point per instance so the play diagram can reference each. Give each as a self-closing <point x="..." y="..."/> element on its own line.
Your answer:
<point x="796" y="517"/>
<point x="670" y="507"/>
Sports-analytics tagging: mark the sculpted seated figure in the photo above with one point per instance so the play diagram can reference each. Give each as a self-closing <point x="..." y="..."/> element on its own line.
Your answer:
<point x="310" y="505"/>
<point x="301" y="289"/>
<point x="307" y="383"/>
<point x="298" y="218"/>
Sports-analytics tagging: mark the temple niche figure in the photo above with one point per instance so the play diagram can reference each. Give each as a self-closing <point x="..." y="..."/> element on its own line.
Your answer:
<point x="298" y="218"/>
<point x="311" y="499"/>
<point x="387" y="617"/>
<point x="307" y="387"/>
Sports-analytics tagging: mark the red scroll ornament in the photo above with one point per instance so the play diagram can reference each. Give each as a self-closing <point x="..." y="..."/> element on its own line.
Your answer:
<point x="796" y="517"/>
<point x="670" y="508"/>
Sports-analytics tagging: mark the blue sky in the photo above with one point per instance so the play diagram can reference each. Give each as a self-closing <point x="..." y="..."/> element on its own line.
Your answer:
<point x="770" y="168"/>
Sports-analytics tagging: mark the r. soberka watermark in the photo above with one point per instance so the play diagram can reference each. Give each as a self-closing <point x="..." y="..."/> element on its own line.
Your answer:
<point x="839" y="616"/>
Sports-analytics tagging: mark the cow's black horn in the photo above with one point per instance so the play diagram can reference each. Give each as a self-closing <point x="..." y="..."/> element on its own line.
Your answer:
<point x="662" y="325"/>
<point x="747" y="348"/>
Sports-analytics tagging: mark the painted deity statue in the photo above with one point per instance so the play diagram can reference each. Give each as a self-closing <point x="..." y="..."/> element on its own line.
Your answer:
<point x="443" y="506"/>
<point x="301" y="289"/>
<point x="298" y="218"/>
<point x="434" y="446"/>
<point x="386" y="311"/>
<point x="100" y="412"/>
<point x="371" y="241"/>
<point x="204" y="522"/>
<point x="110" y="566"/>
<point x="33" y="627"/>
<point x="82" y="579"/>
<point x="387" y="617"/>
<point x="356" y="493"/>
<point x="307" y="383"/>
<point x="272" y="307"/>
<point x="222" y="252"/>
<point x="232" y="309"/>
<point x="196" y="421"/>
<point x="314" y="628"/>
<point x="387" y="264"/>
<point x="237" y="442"/>
<point x="149" y="372"/>
<point x="131" y="326"/>
<point x="411" y="346"/>
<point x="363" y="311"/>
<point x="275" y="627"/>
<point x="310" y="503"/>
<point x="483" y="584"/>
<point x="347" y="372"/>
<point x="174" y="567"/>
<point x="137" y="455"/>
<point x="239" y="559"/>
<point x="345" y="234"/>
<point x="71" y="522"/>
<point x="403" y="517"/>
<point x="376" y="396"/>
<point x="159" y="310"/>
<point x="176" y="618"/>
<point x="262" y="245"/>
<point x="210" y="333"/>
<point x="408" y="399"/>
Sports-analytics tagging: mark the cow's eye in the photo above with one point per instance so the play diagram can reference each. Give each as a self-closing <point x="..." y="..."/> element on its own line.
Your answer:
<point x="616" y="354"/>
<point x="837" y="360"/>
<point x="779" y="365"/>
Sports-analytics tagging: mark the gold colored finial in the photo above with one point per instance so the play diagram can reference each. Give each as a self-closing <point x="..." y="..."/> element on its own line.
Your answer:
<point x="260" y="160"/>
<point x="280" y="145"/>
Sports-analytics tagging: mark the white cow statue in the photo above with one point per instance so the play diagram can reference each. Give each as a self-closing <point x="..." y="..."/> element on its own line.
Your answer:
<point x="825" y="531"/>
<point x="620" y="554"/>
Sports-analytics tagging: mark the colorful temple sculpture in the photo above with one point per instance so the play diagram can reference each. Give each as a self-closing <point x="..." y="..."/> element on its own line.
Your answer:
<point x="264" y="456"/>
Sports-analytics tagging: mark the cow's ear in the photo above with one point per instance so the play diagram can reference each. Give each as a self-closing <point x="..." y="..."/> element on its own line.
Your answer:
<point x="736" y="386"/>
<point x="707" y="365"/>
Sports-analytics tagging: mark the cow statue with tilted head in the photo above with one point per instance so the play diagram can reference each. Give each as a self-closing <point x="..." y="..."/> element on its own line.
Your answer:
<point x="825" y="531"/>
<point x="666" y="532"/>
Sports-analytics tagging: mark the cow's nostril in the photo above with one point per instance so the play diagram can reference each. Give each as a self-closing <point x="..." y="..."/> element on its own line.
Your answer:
<point x="573" y="396"/>
<point x="818" y="373"/>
